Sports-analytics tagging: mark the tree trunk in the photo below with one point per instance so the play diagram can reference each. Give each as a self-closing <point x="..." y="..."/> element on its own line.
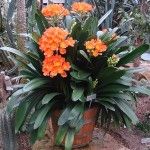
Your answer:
<point x="20" y="23"/>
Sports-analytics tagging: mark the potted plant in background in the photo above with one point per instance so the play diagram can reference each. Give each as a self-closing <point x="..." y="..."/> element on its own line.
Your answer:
<point x="73" y="73"/>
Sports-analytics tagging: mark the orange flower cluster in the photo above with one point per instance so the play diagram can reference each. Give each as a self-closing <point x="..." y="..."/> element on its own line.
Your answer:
<point x="55" y="39"/>
<point x="81" y="7"/>
<point x="54" y="65"/>
<point x="55" y="10"/>
<point x="95" y="47"/>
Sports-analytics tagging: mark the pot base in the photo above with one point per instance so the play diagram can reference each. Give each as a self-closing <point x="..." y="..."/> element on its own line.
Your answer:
<point x="84" y="136"/>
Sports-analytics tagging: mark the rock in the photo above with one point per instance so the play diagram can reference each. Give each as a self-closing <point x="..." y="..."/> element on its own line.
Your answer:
<point x="145" y="140"/>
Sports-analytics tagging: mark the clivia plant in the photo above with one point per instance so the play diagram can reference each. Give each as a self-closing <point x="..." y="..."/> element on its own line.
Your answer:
<point x="73" y="72"/>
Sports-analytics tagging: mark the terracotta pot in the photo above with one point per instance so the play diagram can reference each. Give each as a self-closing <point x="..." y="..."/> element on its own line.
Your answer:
<point x="84" y="136"/>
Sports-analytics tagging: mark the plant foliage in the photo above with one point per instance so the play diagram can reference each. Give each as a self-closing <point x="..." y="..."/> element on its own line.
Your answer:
<point x="103" y="75"/>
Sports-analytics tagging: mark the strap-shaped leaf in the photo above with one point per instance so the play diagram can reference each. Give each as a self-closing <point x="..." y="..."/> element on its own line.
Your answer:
<point x="48" y="97"/>
<point x="40" y="24"/>
<point x="28" y="74"/>
<point x="83" y="53"/>
<point x="126" y="108"/>
<point x="76" y="111"/>
<point x="125" y="96"/>
<point x="69" y="139"/>
<point x="81" y="75"/>
<point x="140" y="89"/>
<point x="114" y="88"/>
<point x="107" y="105"/>
<point x="116" y="44"/>
<point x="134" y="54"/>
<point x="21" y="114"/>
<point x="34" y="61"/>
<point x="14" y="51"/>
<point x="91" y="25"/>
<point x="64" y="116"/>
<point x="77" y="93"/>
<point x="42" y="129"/>
<point x="41" y="116"/>
<point x="45" y="22"/>
<point x="110" y="78"/>
<point x="35" y="84"/>
<point x="29" y="3"/>
<point x="14" y="100"/>
<point x="104" y="17"/>
<point x="61" y="134"/>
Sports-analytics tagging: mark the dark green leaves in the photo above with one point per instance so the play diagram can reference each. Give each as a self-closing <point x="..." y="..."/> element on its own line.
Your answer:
<point x="42" y="115"/>
<point x="42" y="23"/>
<point x="61" y="134"/>
<point x="134" y="54"/>
<point x="29" y="3"/>
<point x="47" y="98"/>
<point x="126" y="108"/>
<point x="21" y="114"/>
<point x="64" y="116"/>
<point x="77" y="93"/>
<point x="14" y="51"/>
<point x="91" y="25"/>
<point x="69" y="139"/>
<point x="35" y="83"/>
<point x="111" y="76"/>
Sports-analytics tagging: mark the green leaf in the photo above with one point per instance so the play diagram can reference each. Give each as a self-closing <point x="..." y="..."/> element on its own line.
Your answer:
<point x="76" y="111"/>
<point x="26" y="66"/>
<point x="91" y="25"/>
<point x="110" y="78"/>
<point x="104" y="17"/>
<point x="40" y="24"/>
<point x="81" y="75"/>
<point x="14" y="100"/>
<point x="140" y="89"/>
<point x="41" y="116"/>
<point x="21" y="114"/>
<point x="61" y="134"/>
<point x="34" y="61"/>
<point x="134" y="54"/>
<point x="124" y="95"/>
<point x="48" y="97"/>
<point x="29" y="3"/>
<point x="35" y="84"/>
<point x="79" y="125"/>
<point x="115" y="45"/>
<point x="77" y="93"/>
<point x="42" y="129"/>
<point x="14" y="51"/>
<point x="107" y="105"/>
<point x="64" y="116"/>
<point x="126" y="108"/>
<point x="83" y="53"/>
<point x="122" y="49"/>
<point x="69" y="139"/>
<point x="127" y="121"/>
<point x="28" y="74"/>
<point x="114" y="88"/>
<point x="33" y="136"/>
<point x="45" y="22"/>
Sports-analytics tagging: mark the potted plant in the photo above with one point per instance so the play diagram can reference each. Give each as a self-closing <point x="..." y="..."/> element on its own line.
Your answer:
<point x="74" y="74"/>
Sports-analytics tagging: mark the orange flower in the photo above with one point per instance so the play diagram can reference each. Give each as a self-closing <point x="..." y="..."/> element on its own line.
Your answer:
<point x="55" y="10"/>
<point x="95" y="47"/>
<point x="55" y="39"/>
<point x="54" y="65"/>
<point x="81" y="7"/>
